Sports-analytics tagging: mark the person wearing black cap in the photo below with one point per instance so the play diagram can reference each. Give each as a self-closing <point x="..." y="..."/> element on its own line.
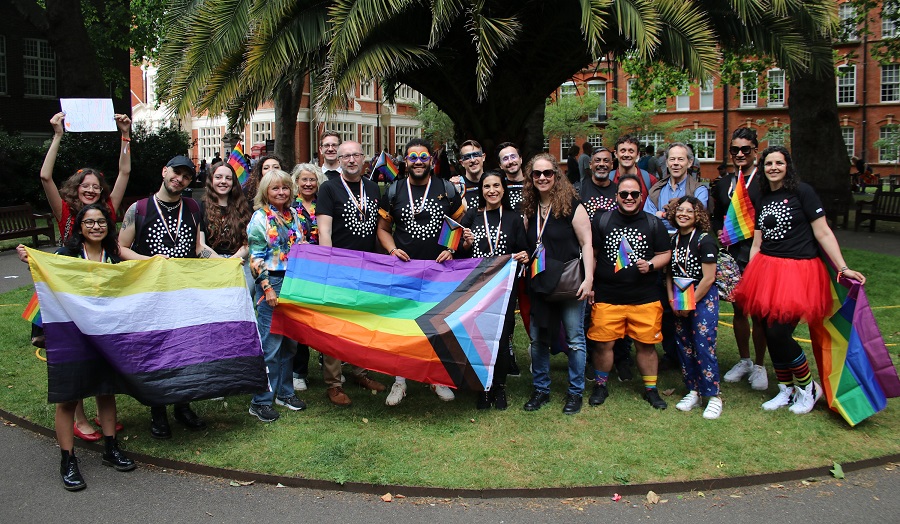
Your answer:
<point x="165" y="224"/>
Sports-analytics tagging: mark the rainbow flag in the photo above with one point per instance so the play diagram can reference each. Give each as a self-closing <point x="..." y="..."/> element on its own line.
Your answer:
<point x="239" y="162"/>
<point x="32" y="311"/>
<point x="741" y="217"/>
<point x="173" y="330"/>
<point x="451" y="234"/>
<point x="683" y="293"/>
<point x="385" y="164"/>
<point x="623" y="257"/>
<point x="435" y="323"/>
<point x="855" y="368"/>
<point x="539" y="261"/>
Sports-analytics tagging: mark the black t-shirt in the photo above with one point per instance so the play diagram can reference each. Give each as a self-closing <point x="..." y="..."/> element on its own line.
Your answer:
<point x="596" y="198"/>
<point x="471" y="196"/>
<point x="349" y="230"/>
<point x="162" y="235"/>
<point x="723" y="189"/>
<point x="559" y="238"/>
<point x="785" y="221"/>
<point x="690" y="252"/>
<point x="514" y="191"/>
<point x="512" y="232"/>
<point x="417" y="234"/>
<point x="213" y="232"/>
<point x="66" y="252"/>
<point x="647" y="236"/>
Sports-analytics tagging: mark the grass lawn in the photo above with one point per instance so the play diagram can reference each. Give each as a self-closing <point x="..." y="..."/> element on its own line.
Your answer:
<point x="428" y="442"/>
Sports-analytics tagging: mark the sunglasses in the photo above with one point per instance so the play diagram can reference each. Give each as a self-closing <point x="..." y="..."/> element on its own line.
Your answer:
<point x="745" y="150"/>
<point x="414" y="157"/>
<point x="547" y="173"/>
<point x="470" y="156"/>
<point x="633" y="194"/>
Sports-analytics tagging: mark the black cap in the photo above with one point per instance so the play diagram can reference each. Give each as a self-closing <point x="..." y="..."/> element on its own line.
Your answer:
<point x="182" y="161"/>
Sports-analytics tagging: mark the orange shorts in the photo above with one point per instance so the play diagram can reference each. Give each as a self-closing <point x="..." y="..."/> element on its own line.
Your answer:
<point x="641" y="322"/>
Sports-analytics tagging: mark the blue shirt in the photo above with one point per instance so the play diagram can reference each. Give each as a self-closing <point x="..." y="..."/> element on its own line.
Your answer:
<point x="668" y="193"/>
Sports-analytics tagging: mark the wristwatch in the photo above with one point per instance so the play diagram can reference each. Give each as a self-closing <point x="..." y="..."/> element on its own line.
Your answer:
<point x="650" y="265"/>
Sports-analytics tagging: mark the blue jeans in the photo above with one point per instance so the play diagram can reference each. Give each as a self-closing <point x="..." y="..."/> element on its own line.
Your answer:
<point x="572" y="316"/>
<point x="278" y="350"/>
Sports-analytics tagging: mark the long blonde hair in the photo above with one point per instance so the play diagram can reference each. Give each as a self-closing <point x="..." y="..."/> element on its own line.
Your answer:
<point x="271" y="177"/>
<point x="561" y="194"/>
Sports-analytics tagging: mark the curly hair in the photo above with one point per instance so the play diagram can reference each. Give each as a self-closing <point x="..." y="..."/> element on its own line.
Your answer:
<point x="701" y="217"/>
<point x="791" y="178"/>
<point x="233" y="222"/>
<point x="110" y="242"/>
<point x="69" y="189"/>
<point x="256" y="174"/>
<point x="561" y="194"/>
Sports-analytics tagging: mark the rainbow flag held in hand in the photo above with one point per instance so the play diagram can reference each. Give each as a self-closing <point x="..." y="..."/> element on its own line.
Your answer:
<point x="385" y="165"/>
<point x="539" y="261"/>
<point x="239" y="162"/>
<point x="32" y="311"/>
<point x="623" y="256"/>
<point x="430" y="322"/>
<point x="854" y="365"/>
<point x="741" y="217"/>
<point x="451" y="234"/>
<point x="683" y="294"/>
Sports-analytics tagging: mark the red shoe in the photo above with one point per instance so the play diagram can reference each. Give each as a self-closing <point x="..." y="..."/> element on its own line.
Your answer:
<point x="89" y="437"/>
<point x="119" y="426"/>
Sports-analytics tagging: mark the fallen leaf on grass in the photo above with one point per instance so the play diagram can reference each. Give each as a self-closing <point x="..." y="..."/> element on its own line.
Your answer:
<point x="472" y="420"/>
<point x="652" y="497"/>
<point x="365" y="421"/>
<point x="668" y="392"/>
<point x="720" y="465"/>
<point x="837" y="471"/>
<point x="387" y="497"/>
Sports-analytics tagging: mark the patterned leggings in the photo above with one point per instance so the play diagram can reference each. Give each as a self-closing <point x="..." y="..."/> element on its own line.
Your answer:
<point x="695" y="335"/>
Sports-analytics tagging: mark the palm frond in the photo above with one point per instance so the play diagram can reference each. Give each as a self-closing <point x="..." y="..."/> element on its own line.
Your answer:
<point x="491" y="35"/>
<point x="594" y="23"/>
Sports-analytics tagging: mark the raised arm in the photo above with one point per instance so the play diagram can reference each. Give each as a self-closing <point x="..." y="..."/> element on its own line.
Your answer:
<point x="118" y="191"/>
<point x="50" y="188"/>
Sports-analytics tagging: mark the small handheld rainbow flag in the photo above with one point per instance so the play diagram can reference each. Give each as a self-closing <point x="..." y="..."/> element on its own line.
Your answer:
<point x="683" y="294"/>
<point x="32" y="311"/>
<point x="451" y="234"/>
<point x="623" y="257"/>
<point x="539" y="262"/>
<point x="740" y="218"/>
<point x="385" y="164"/>
<point x="238" y="161"/>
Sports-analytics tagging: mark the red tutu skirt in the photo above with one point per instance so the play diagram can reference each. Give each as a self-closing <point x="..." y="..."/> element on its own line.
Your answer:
<point x="785" y="289"/>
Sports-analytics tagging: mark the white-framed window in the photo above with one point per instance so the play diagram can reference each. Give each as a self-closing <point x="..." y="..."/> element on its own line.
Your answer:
<point x="366" y="89"/>
<point x="683" y="100"/>
<point x="706" y="94"/>
<point x="262" y="131"/>
<point x="749" y="95"/>
<point x="367" y="139"/>
<point x="3" y="85"/>
<point x="704" y="145"/>
<point x="595" y="141"/>
<point x="849" y="136"/>
<point x="629" y="88"/>
<point x="346" y="130"/>
<point x="846" y="84"/>
<point x="568" y="89"/>
<point x="887" y="154"/>
<point x="890" y="83"/>
<point x="847" y="15"/>
<point x="564" y="144"/>
<point x="403" y="134"/>
<point x="546" y="144"/>
<point x="775" y="136"/>
<point x="39" y="62"/>
<point x="209" y="140"/>
<point x="408" y="94"/>
<point x="888" y="23"/>
<point x="598" y="87"/>
<point x="657" y="140"/>
<point x="776" y="88"/>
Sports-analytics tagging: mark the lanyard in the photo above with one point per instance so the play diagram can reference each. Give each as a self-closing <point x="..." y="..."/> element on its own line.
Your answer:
<point x="361" y="203"/>
<point x="424" y="197"/>
<point x="85" y="254"/>
<point x="686" y="254"/>
<point x="492" y="247"/>
<point x="746" y="183"/>
<point x="166" y="222"/>
<point x="540" y="227"/>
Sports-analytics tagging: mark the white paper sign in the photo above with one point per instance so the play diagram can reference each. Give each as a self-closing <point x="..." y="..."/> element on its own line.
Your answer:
<point x="88" y="114"/>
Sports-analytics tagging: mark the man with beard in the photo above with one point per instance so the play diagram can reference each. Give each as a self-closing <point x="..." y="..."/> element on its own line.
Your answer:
<point x="511" y="165"/>
<point x="744" y="145"/>
<point x="627" y="151"/>
<point x="165" y="224"/>
<point x="328" y="151"/>
<point x="627" y="299"/>
<point x="412" y="213"/>
<point x="347" y="217"/>
<point x="471" y="156"/>
<point x="598" y="193"/>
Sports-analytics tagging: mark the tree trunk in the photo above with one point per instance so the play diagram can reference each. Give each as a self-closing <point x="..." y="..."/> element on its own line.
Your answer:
<point x="287" y="105"/>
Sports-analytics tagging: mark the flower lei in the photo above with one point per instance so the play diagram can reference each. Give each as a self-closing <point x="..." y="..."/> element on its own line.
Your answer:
<point x="279" y="222"/>
<point x="309" y="226"/>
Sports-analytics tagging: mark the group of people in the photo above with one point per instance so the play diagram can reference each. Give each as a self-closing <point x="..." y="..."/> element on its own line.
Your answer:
<point x="619" y="258"/>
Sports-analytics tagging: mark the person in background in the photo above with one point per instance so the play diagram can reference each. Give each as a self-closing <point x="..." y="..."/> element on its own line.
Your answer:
<point x="573" y="172"/>
<point x="265" y="164"/>
<point x="584" y="162"/>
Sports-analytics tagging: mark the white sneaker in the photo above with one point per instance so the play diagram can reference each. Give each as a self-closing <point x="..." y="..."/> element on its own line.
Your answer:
<point x="713" y="408"/>
<point x="398" y="391"/>
<point x="689" y="402"/>
<point x="300" y="384"/>
<point x="742" y="368"/>
<point x="806" y="398"/>
<point x="759" y="379"/>
<point x="783" y="398"/>
<point x="443" y="392"/>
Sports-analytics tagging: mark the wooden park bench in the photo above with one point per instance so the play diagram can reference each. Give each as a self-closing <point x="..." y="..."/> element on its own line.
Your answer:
<point x="885" y="206"/>
<point x="21" y="221"/>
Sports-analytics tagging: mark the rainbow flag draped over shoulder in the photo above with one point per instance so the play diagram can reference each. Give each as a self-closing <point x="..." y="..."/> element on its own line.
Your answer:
<point x="854" y="364"/>
<point x="386" y="165"/>
<point x="32" y="311"/>
<point x="435" y="323"/>
<point x="239" y="162"/>
<point x="173" y="330"/>
<point x="740" y="218"/>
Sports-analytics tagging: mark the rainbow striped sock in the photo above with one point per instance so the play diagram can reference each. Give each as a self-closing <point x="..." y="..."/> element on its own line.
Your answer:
<point x="800" y="370"/>
<point x="783" y="373"/>
<point x="600" y="377"/>
<point x="649" y="381"/>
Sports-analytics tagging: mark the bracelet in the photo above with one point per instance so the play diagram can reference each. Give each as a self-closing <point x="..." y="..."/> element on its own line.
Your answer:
<point x="845" y="268"/>
<point x="391" y="252"/>
<point x="126" y="139"/>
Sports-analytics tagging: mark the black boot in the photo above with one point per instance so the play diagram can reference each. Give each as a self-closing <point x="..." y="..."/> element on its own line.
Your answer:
<point x="68" y="469"/>
<point x="500" y="397"/>
<point x="159" y="423"/>
<point x="485" y="399"/>
<point x="115" y="457"/>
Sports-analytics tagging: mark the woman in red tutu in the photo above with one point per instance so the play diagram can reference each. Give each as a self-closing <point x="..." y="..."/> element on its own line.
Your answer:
<point x="786" y="281"/>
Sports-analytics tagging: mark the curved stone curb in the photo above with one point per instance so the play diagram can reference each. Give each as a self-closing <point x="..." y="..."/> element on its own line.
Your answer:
<point x="490" y="493"/>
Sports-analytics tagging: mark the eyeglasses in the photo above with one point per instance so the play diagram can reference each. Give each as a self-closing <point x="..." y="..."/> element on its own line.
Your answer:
<point x="348" y="156"/>
<point x="684" y="211"/>
<point x="329" y="146"/>
<point x="90" y="223"/>
<point x="633" y="194"/>
<point x="418" y="157"/>
<point x="472" y="155"/>
<point x="547" y="173"/>
<point x="745" y="150"/>
<point x="90" y="187"/>
<point x="510" y="157"/>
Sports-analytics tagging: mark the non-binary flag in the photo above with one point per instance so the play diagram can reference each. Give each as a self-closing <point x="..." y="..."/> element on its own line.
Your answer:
<point x="238" y="161"/>
<point x="740" y="218"/>
<point x="435" y="323"/>
<point x="174" y="330"/>
<point x="623" y="255"/>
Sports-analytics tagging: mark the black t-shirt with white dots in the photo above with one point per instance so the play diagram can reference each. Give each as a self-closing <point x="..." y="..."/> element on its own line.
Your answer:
<point x="596" y="198"/>
<point x="350" y="228"/>
<point x="511" y="237"/>
<point x="166" y="235"/>
<point x="514" y="192"/>
<point x="785" y="219"/>
<point x="647" y="236"/>
<point x="471" y="195"/>
<point x="417" y="233"/>
<point x="689" y="253"/>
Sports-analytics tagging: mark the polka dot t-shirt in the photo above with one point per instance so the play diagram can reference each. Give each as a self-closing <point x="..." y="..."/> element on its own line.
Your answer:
<point x="417" y="226"/>
<point x="785" y="219"/>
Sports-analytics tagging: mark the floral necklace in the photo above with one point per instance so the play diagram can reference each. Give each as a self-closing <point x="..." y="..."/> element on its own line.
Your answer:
<point x="280" y="224"/>
<point x="308" y="223"/>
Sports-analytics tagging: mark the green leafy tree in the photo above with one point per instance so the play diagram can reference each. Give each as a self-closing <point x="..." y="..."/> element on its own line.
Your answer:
<point x="637" y="121"/>
<point x="568" y="115"/>
<point x="436" y="124"/>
